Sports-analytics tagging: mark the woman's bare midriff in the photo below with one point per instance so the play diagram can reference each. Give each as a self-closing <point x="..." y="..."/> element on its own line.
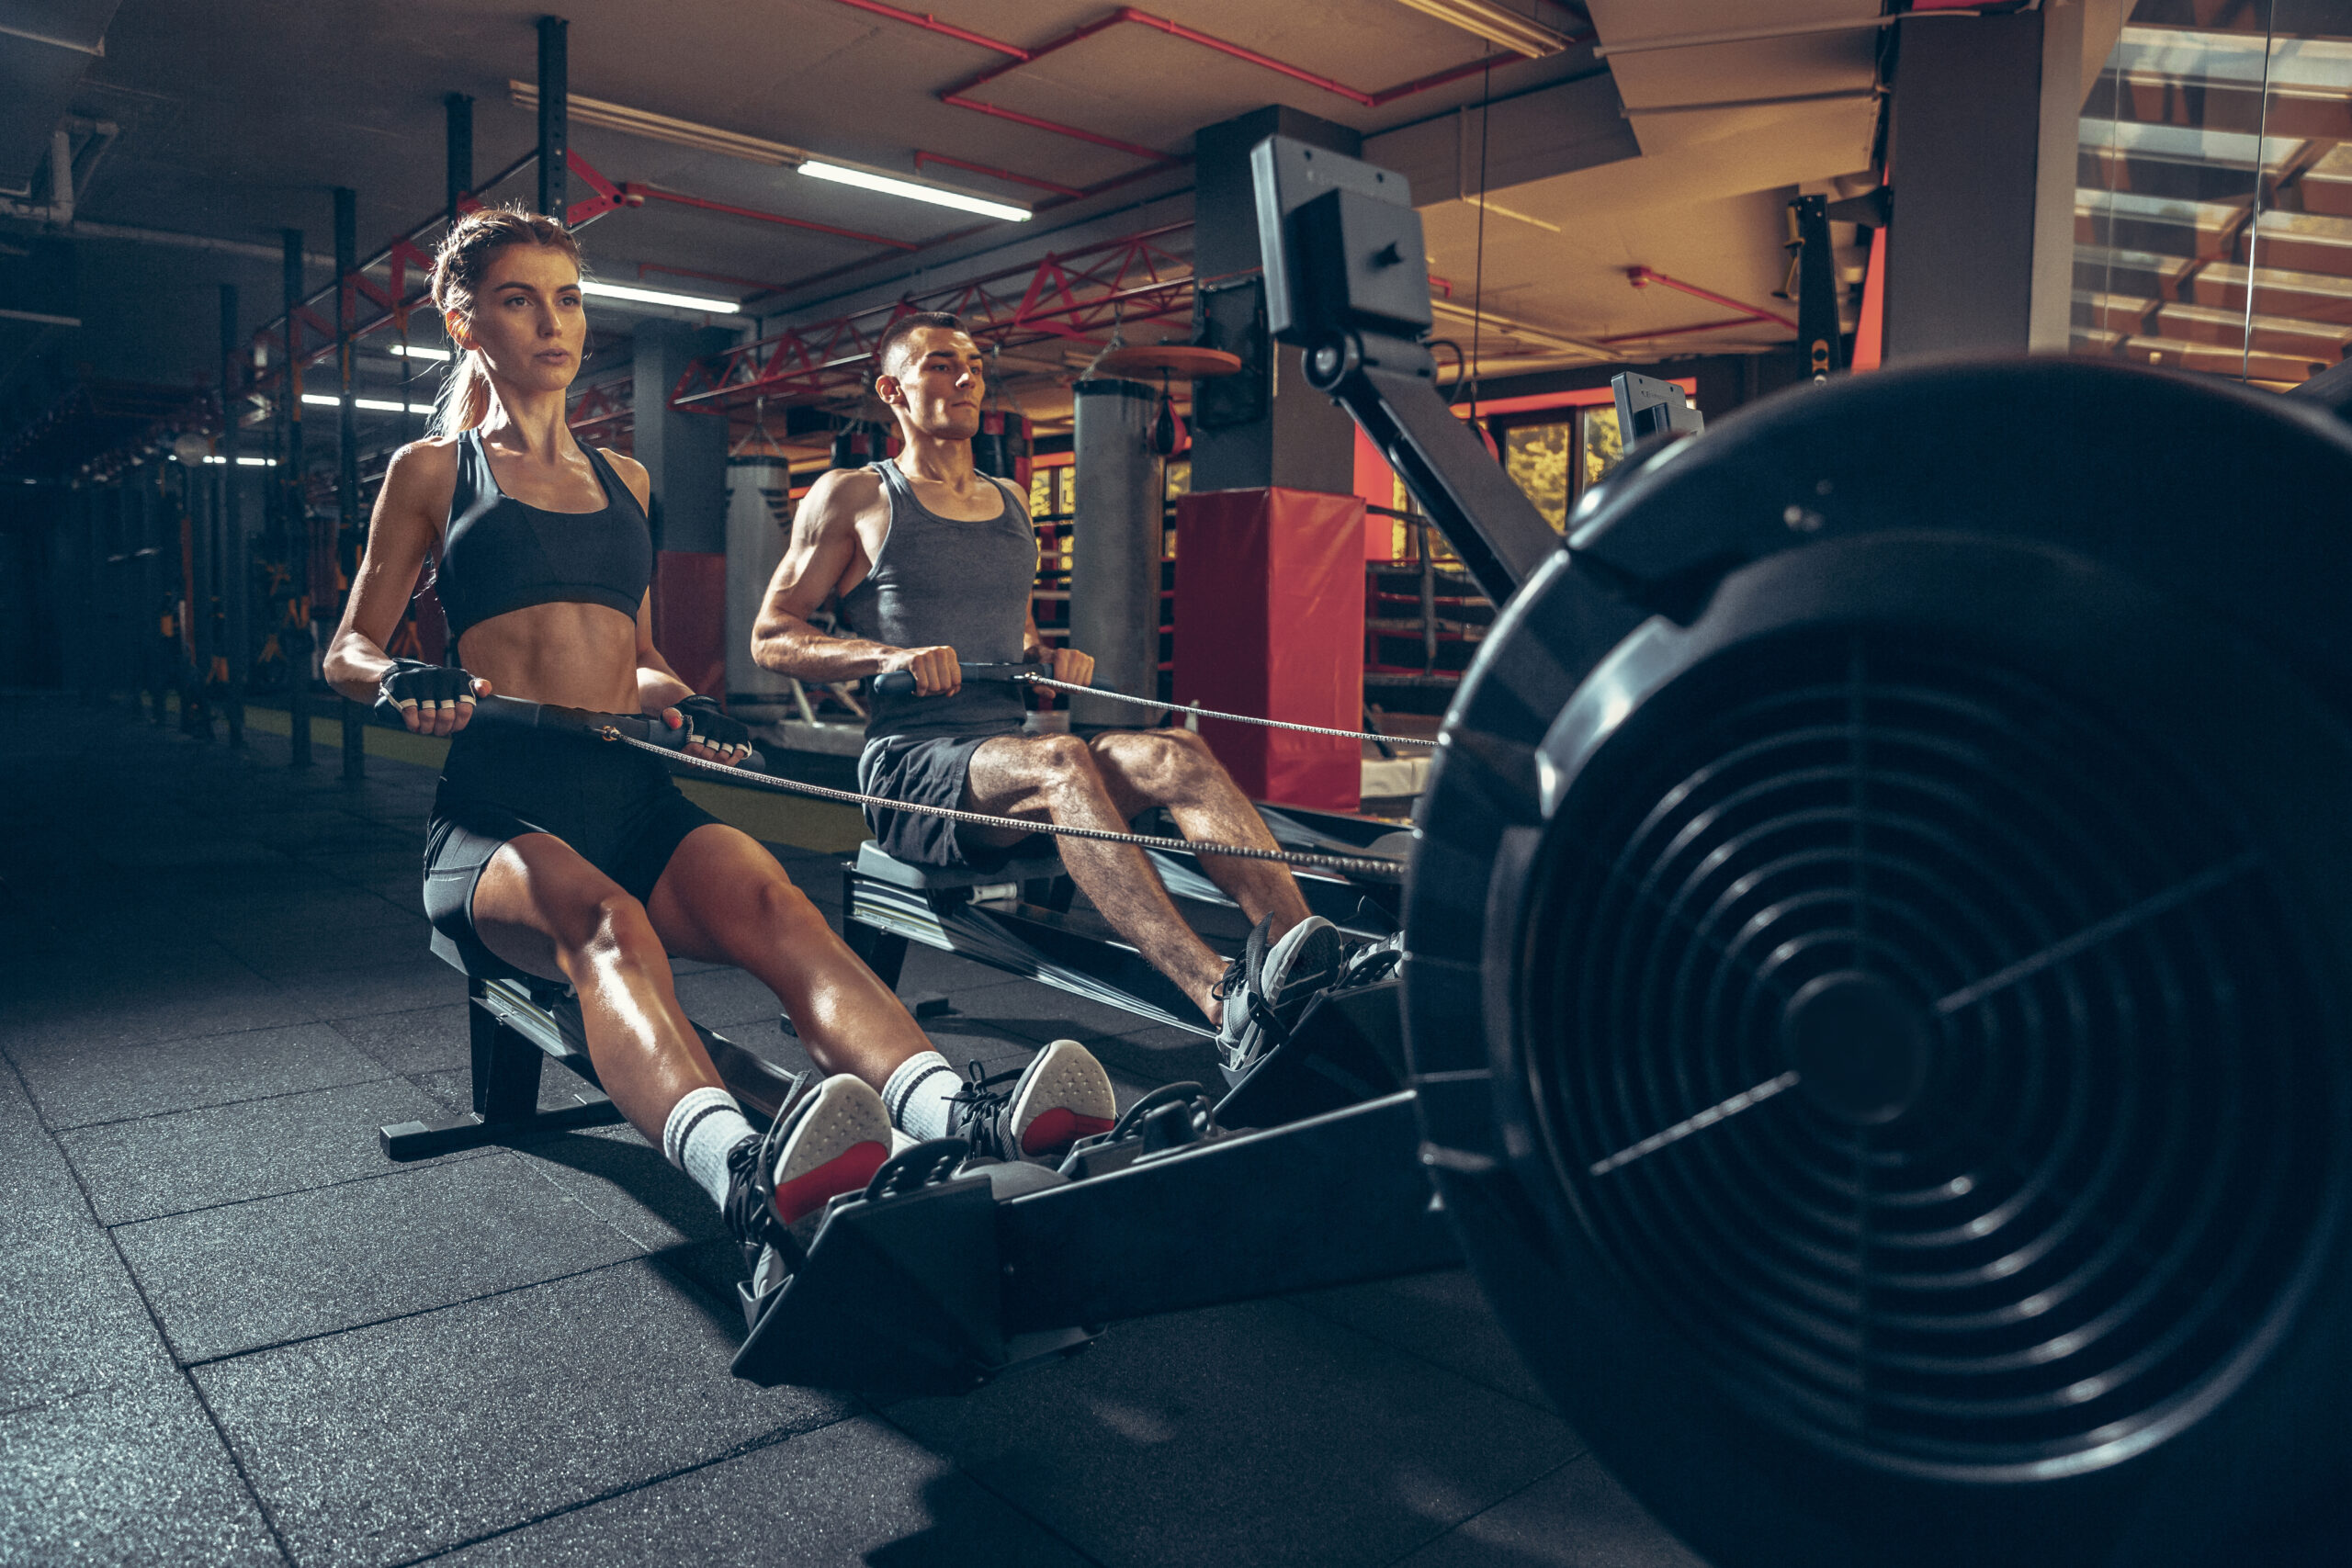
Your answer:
<point x="574" y="655"/>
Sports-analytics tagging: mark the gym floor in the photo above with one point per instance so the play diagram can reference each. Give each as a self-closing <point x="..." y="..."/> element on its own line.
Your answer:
<point x="236" y="1335"/>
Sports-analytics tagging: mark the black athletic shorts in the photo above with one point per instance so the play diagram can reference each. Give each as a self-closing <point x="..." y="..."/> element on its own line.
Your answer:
<point x="931" y="770"/>
<point x="617" y="807"/>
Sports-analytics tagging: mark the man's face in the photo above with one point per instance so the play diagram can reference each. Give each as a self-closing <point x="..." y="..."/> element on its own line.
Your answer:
<point x="935" y="383"/>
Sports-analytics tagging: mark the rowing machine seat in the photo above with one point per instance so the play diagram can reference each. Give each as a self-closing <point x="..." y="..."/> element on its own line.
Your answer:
<point x="1031" y="865"/>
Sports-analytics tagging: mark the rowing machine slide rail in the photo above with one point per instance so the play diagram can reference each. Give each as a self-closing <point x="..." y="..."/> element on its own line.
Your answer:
<point x="1877" y="955"/>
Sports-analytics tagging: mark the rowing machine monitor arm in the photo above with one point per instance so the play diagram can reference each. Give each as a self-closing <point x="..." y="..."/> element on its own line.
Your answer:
<point x="1346" y="281"/>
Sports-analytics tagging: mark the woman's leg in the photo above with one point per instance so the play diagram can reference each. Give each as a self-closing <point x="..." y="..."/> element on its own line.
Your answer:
<point x="542" y="908"/>
<point x="724" y="899"/>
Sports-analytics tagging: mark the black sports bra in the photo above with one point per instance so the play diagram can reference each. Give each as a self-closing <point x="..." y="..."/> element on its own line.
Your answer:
<point x="499" y="554"/>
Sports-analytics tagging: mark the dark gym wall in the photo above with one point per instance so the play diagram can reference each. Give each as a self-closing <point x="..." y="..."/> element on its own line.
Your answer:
<point x="1303" y="440"/>
<point x="685" y="454"/>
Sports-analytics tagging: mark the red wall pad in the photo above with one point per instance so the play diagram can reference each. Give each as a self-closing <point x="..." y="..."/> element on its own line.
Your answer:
<point x="1270" y="621"/>
<point x="690" y="617"/>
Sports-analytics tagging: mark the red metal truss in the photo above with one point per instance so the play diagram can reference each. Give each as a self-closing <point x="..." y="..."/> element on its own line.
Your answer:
<point x="1069" y="295"/>
<point x="603" y="411"/>
<point x="306" y="337"/>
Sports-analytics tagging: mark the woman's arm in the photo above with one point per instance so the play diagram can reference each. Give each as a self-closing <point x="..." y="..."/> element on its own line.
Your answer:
<point x="415" y="497"/>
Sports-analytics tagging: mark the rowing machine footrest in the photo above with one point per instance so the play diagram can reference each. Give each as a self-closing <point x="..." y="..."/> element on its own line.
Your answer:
<point x="1347" y="1047"/>
<point x="901" y="1291"/>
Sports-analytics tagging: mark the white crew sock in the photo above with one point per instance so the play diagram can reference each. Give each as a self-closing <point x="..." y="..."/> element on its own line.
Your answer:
<point x="918" y="1093"/>
<point x="703" y="1129"/>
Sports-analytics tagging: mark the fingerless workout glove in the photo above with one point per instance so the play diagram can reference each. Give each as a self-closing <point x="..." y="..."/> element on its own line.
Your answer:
<point x="413" y="680"/>
<point x="707" y="724"/>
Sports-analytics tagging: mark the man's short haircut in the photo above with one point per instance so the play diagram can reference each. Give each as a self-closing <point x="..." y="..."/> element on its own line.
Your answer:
<point x="905" y="327"/>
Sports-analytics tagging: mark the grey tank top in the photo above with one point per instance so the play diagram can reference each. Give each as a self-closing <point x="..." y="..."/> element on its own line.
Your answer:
<point x="941" y="582"/>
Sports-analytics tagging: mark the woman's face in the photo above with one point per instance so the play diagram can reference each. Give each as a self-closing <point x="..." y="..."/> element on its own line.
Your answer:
<point x="526" y="318"/>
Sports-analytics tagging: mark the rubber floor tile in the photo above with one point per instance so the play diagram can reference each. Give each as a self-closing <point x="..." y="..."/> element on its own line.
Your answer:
<point x="1438" y="1317"/>
<point x="125" y="1475"/>
<point x="383" y="1444"/>
<point x="427" y="1040"/>
<point x="229" y="1154"/>
<point x="625" y="1181"/>
<point x="1577" y="1517"/>
<point x="1249" y="1434"/>
<point x="228" y="1280"/>
<point x="144" y="1007"/>
<point x="857" y="1493"/>
<point x="70" y="1318"/>
<point x="110" y="1083"/>
<point x="332" y="948"/>
<point x="407" y="979"/>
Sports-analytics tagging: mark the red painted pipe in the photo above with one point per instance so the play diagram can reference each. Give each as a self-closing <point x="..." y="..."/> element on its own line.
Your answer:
<point x="1016" y="56"/>
<point x="1679" y="331"/>
<point x="1642" y="276"/>
<point x="1131" y="148"/>
<point x="929" y="23"/>
<point x="751" y="283"/>
<point x="996" y="174"/>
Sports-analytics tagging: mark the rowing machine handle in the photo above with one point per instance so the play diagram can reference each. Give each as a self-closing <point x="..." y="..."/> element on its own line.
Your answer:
<point x="900" y="683"/>
<point x="516" y="713"/>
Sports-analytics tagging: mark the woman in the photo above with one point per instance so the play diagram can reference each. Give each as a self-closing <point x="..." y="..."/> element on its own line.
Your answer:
<point x="555" y="854"/>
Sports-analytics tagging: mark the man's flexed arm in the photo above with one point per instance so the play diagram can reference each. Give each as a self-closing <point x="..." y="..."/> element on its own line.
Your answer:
<point x="823" y="558"/>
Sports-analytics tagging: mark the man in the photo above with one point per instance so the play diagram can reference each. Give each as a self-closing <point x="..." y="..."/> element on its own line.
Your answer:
<point x="933" y="563"/>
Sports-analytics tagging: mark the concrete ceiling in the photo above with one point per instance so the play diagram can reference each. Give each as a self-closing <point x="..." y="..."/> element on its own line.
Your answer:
<point x="237" y="121"/>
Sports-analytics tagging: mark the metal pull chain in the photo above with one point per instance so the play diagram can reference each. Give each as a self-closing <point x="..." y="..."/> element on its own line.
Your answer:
<point x="1212" y="713"/>
<point x="1355" y="865"/>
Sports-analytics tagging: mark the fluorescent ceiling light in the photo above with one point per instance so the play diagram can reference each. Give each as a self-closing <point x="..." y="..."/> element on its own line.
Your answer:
<point x="935" y="195"/>
<point x="412" y="351"/>
<point x="374" y="405"/>
<point x="1497" y="24"/>
<point x="256" y="462"/>
<point x="658" y="297"/>
<point x="662" y="127"/>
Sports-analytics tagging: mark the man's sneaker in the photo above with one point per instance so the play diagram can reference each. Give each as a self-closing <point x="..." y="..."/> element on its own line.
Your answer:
<point x="1060" y="1097"/>
<point x="830" y="1141"/>
<point x="1262" y="988"/>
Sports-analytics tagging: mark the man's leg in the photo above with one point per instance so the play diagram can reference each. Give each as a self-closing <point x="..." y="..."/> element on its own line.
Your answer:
<point x="1055" y="778"/>
<point x="1175" y="769"/>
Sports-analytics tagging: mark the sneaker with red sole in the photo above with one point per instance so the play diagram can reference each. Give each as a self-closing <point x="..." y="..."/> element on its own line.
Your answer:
<point x="829" y="1142"/>
<point x="1060" y="1097"/>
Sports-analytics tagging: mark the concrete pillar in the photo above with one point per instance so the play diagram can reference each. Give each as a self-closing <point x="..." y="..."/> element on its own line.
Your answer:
<point x="1265" y="426"/>
<point x="1114" y="568"/>
<point x="685" y="458"/>
<point x="759" y="512"/>
<point x="1980" y="252"/>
